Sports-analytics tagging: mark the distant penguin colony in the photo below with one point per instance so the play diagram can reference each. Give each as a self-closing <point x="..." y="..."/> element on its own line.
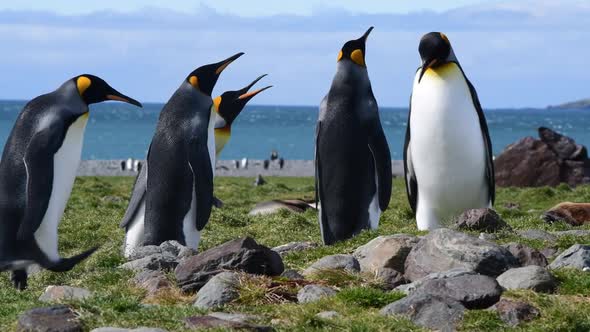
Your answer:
<point x="37" y="173"/>
<point x="448" y="162"/>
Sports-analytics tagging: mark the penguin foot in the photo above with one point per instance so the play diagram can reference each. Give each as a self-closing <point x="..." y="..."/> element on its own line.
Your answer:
<point x="19" y="279"/>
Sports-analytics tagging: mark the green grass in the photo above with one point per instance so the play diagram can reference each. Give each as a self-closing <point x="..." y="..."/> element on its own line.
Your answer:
<point x="97" y="205"/>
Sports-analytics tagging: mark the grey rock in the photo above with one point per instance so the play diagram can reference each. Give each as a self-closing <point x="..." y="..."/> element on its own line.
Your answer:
<point x="59" y="318"/>
<point x="292" y="275"/>
<point x="294" y="247"/>
<point x="526" y="255"/>
<point x="444" y="249"/>
<point x="210" y="322"/>
<point x="515" y="312"/>
<point x="162" y="261"/>
<point x="327" y="315"/>
<point x="549" y="252"/>
<point x="529" y="277"/>
<point x="456" y="272"/>
<point x="483" y="220"/>
<point x="573" y="232"/>
<point x="238" y="255"/>
<point x="219" y="290"/>
<point x="487" y="237"/>
<point x="171" y="247"/>
<point x="473" y="291"/>
<point x="389" y="278"/>
<point x="312" y="293"/>
<point x="334" y="262"/>
<point x="118" y="329"/>
<point x="152" y="281"/>
<point x="537" y="234"/>
<point x="385" y="252"/>
<point x="64" y="293"/>
<point x="576" y="256"/>
<point x="144" y="251"/>
<point x="433" y="312"/>
<point x="186" y="252"/>
<point x="235" y="317"/>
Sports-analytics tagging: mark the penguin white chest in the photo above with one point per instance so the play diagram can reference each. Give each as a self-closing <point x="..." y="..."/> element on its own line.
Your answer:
<point x="447" y="146"/>
<point x="65" y="167"/>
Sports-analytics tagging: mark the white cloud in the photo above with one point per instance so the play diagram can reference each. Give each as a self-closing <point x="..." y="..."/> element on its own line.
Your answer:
<point x="516" y="54"/>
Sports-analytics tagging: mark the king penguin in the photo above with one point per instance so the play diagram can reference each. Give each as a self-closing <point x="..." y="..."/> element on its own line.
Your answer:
<point x="352" y="158"/>
<point x="37" y="172"/>
<point x="448" y="152"/>
<point x="173" y="193"/>
<point x="227" y="107"/>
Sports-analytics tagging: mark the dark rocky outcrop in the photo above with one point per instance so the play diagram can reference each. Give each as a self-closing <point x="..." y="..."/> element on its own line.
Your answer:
<point x="547" y="161"/>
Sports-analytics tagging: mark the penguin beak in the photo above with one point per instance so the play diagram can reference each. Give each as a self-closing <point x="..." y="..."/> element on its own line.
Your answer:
<point x="220" y="66"/>
<point x="249" y="95"/>
<point x="116" y="95"/>
<point x="366" y="35"/>
<point x="245" y="89"/>
<point x="425" y="66"/>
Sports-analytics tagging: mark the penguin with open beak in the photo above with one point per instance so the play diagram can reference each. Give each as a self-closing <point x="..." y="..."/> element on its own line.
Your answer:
<point x="173" y="194"/>
<point x="228" y="106"/>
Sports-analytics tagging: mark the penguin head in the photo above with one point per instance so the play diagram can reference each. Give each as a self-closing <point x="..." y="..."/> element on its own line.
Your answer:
<point x="354" y="50"/>
<point x="231" y="103"/>
<point x="435" y="50"/>
<point x="205" y="77"/>
<point x="94" y="89"/>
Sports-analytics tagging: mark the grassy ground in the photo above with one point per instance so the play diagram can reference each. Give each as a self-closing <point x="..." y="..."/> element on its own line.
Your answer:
<point x="97" y="205"/>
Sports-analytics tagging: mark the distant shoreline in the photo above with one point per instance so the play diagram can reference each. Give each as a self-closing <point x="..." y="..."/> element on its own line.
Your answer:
<point x="291" y="168"/>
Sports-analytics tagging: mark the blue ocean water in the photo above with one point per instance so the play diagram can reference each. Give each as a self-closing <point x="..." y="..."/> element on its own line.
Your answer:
<point x="119" y="131"/>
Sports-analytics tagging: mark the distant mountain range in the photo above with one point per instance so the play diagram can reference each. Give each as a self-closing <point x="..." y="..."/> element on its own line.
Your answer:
<point x="580" y="104"/>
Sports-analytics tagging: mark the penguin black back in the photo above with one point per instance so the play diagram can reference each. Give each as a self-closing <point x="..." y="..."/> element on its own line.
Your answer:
<point x="353" y="163"/>
<point x="179" y="193"/>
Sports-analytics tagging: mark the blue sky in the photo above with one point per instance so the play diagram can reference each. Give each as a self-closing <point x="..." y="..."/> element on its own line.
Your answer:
<point x="517" y="53"/>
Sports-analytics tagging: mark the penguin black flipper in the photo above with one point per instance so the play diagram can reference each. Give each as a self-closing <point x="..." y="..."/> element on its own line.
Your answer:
<point x="38" y="160"/>
<point x="381" y="157"/>
<point x="137" y="196"/>
<point x="490" y="175"/>
<point x="199" y="161"/>
<point x="325" y="230"/>
<point x="409" y="175"/>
